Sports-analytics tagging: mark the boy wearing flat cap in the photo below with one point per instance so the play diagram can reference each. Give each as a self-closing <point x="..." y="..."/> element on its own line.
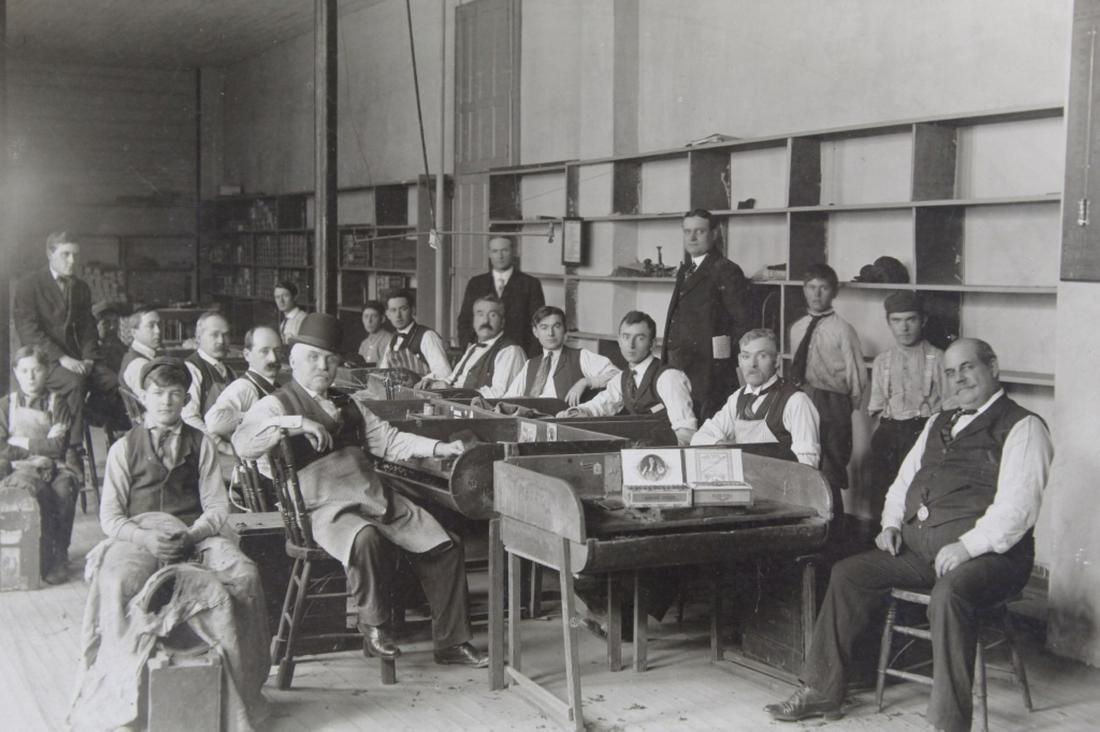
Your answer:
<point x="908" y="385"/>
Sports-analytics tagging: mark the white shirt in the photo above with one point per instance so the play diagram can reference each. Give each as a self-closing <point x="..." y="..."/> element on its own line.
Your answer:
<point x="501" y="278"/>
<point x="1024" y="468"/>
<point x="291" y="322"/>
<point x="431" y="348"/>
<point x="231" y="405"/>
<point x="192" y="411"/>
<point x="673" y="387"/>
<point x="509" y="362"/>
<point x="800" y="417"/>
<point x="596" y="368"/>
<point x="132" y="375"/>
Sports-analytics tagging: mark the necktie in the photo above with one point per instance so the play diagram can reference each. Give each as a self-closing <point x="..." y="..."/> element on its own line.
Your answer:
<point x="798" y="366"/>
<point x="541" y="377"/>
<point x="745" y="401"/>
<point x="688" y="268"/>
<point x="465" y="359"/>
<point x="949" y="427"/>
<point x="399" y="341"/>
<point x="631" y="387"/>
<point x="220" y="368"/>
<point x="500" y="285"/>
<point x="163" y="436"/>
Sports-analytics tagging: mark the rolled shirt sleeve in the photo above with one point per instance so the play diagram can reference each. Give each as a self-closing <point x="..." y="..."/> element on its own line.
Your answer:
<point x="509" y="365"/>
<point x="719" y="429"/>
<point x="387" y="442"/>
<point x="259" y="430"/>
<point x="674" y="389"/>
<point x="431" y="346"/>
<point x="801" y="419"/>
<point x="191" y="411"/>
<point x="229" y="408"/>
<point x="597" y="369"/>
<point x="605" y="404"/>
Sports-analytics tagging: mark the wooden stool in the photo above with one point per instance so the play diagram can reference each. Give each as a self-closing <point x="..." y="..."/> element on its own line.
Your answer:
<point x="316" y="579"/>
<point x="997" y="616"/>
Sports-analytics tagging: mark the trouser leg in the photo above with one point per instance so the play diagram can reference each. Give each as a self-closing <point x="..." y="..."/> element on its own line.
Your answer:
<point x="71" y="387"/>
<point x="104" y="398"/>
<point x="65" y="490"/>
<point x="957" y="597"/>
<point x="122" y="573"/>
<point x="370" y="572"/>
<point x="858" y="590"/>
<point x="442" y="574"/>
<point x="835" y="412"/>
<point x="890" y="443"/>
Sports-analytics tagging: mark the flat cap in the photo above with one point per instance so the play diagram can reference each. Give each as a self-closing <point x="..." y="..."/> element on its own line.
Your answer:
<point x="903" y="301"/>
<point x="165" y="361"/>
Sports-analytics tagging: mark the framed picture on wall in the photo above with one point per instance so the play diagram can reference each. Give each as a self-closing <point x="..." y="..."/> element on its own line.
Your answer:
<point x="572" y="241"/>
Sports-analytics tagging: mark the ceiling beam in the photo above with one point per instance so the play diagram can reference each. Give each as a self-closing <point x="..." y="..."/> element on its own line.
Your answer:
<point x="324" y="125"/>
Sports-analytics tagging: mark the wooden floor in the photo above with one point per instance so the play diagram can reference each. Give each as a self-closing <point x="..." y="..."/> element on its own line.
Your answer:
<point x="39" y="633"/>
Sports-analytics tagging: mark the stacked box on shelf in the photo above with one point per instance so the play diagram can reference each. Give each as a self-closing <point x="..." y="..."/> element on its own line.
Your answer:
<point x="355" y="248"/>
<point x="266" y="277"/>
<point x="295" y="250"/>
<point x="266" y="250"/>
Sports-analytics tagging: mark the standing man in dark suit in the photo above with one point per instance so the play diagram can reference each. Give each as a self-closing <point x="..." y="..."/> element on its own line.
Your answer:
<point x="520" y="293"/>
<point x="53" y="310"/>
<point x="707" y="315"/>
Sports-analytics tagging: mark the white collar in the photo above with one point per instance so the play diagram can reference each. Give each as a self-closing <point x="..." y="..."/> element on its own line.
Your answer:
<point x="407" y="328"/>
<point x="208" y="358"/>
<point x="641" y="367"/>
<point x="261" y="377"/>
<point x="989" y="402"/>
<point x="293" y="312"/>
<point x="504" y="274"/>
<point x="491" y="341"/>
<point x="757" y="389"/>
<point x="144" y="350"/>
<point x="697" y="259"/>
<point x="56" y="276"/>
<point x="173" y="429"/>
<point x="553" y="353"/>
<point x="830" y="311"/>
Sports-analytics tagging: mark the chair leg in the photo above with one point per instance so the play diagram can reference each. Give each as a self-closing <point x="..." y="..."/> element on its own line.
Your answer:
<point x="614" y="623"/>
<point x="278" y="642"/>
<point x="534" y="600"/>
<point x="641" y="626"/>
<point x="1017" y="661"/>
<point x="979" y="686"/>
<point x="717" y="651"/>
<point x="285" y="675"/>
<point x="884" y="651"/>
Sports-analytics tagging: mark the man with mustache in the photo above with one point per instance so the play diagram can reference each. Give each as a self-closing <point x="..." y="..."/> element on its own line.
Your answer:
<point x="209" y="376"/>
<point x="491" y="362"/>
<point x="261" y="351"/>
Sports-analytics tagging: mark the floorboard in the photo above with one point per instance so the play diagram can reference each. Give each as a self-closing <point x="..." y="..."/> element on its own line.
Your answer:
<point x="39" y="646"/>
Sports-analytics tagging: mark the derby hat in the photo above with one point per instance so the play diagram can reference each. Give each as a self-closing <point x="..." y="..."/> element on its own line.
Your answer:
<point x="320" y="331"/>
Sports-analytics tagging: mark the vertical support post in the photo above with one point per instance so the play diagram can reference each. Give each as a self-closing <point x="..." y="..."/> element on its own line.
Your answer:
<point x="7" y="238"/>
<point x="569" y="630"/>
<point x="515" y="585"/>
<point x="614" y="623"/>
<point x="324" y="129"/>
<point x="641" y="625"/>
<point x="496" y="606"/>
<point x="717" y="649"/>
<point x="442" y="322"/>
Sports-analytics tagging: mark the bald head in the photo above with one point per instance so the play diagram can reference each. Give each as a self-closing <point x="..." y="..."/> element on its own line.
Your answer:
<point x="972" y="370"/>
<point x="261" y="351"/>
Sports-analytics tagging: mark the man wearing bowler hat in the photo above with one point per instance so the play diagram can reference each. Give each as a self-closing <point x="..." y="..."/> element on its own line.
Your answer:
<point x="354" y="518"/>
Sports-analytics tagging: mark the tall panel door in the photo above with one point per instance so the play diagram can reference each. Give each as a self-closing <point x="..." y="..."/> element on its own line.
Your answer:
<point x="1081" y="199"/>
<point x="486" y="123"/>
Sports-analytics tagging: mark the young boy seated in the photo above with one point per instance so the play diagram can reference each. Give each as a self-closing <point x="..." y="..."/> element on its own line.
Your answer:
<point x="33" y="429"/>
<point x="828" y="365"/>
<point x="164" y="503"/>
<point x="908" y="385"/>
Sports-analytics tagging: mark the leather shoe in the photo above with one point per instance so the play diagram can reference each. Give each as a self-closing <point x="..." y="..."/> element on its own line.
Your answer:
<point x="378" y="643"/>
<point x="462" y="654"/>
<point x="59" y="575"/>
<point x="803" y="704"/>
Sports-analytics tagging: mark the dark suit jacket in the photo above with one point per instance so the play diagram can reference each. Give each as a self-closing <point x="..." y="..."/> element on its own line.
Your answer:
<point x="42" y="319"/>
<point x="713" y="301"/>
<point x="522" y="297"/>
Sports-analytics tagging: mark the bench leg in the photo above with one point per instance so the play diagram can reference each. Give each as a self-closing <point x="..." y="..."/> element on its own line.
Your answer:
<point x="496" y="607"/>
<point x="717" y="651"/>
<point x="515" y="584"/>
<point x="569" y="630"/>
<point x="641" y="627"/>
<point x="614" y="624"/>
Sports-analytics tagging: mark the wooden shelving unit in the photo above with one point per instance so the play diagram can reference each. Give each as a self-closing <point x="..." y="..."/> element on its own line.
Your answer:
<point x="971" y="205"/>
<point x="254" y="241"/>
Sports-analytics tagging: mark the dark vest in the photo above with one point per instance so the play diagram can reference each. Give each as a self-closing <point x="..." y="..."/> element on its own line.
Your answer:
<point x="771" y="411"/>
<point x="155" y="488"/>
<point x="957" y="481"/>
<point x="346" y="430"/>
<point x="645" y="396"/>
<point x="412" y="341"/>
<point x="211" y="384"/>
<point x="481" y="373"/>
<point x="127" y="359"/>
<point x="567" y="372"/>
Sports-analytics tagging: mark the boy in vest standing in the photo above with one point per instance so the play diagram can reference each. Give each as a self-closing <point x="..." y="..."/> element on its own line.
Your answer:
<point x="957" y="524"/>
<point x="647" y="387"/>
<point x="415" y="347"/>
<point x="34" y="427"/>
<point x="164" y="503"/>
<point x="828" y="365"/>
<point x="491" y="362"/>
<point x="907" y="387"/>
<point x="769" y="412"/>
<point x="559" y="371"/>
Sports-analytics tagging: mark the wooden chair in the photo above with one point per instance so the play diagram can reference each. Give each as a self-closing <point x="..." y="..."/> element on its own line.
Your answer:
<point x="996" y="617"/>
<point x="252" y="487"/>
<point x="86" y="454"/>
<point x="312" y="583"/>
<point x="135" y="410"/>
